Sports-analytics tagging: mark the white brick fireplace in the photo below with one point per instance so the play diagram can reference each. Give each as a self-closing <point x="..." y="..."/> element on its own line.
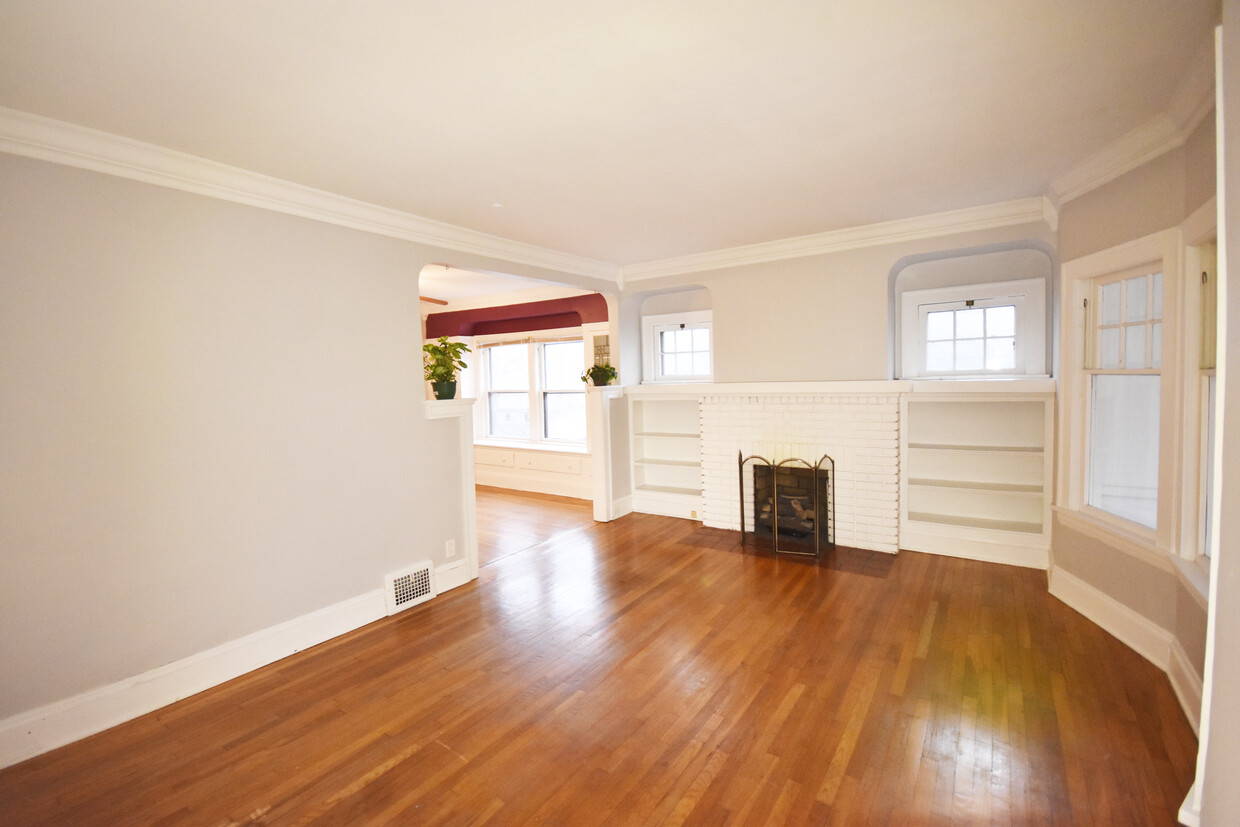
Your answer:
<point x="858" y="427"/>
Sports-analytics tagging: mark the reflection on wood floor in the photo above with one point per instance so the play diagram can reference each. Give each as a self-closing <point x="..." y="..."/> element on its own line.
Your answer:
<point x="511" y="521"/>
<point x="652" y="671"/>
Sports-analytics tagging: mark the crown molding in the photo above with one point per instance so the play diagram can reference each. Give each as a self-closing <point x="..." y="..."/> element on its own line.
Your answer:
<point x="47" y="139"/>
<point x="990" y="216"/>
<point x="1192" y="101"/>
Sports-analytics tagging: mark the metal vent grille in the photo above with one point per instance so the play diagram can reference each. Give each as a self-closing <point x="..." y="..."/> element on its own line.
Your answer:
<point x="410" y="587"/>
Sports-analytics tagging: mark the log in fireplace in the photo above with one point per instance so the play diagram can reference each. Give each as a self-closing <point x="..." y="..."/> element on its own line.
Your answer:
<point x="793" y="504"/>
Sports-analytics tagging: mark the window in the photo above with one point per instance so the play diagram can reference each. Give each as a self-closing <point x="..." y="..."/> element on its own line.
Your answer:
<point x="1125" y="397"/>
<point x="534" y="390"/>
<point x="677" y="347"/>
<point x="970" y="338"/>
<point x="974" y="330"/>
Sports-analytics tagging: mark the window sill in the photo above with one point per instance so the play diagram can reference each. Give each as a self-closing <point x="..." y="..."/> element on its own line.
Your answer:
<point x="541" y="447"/>
<point x="1089" y="523"/>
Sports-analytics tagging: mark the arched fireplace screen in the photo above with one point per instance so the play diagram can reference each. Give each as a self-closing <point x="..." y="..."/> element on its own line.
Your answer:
<point x="792" y="509"/>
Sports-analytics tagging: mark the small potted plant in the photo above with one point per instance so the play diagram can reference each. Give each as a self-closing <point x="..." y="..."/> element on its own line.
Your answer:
<point x="441" y="361"/>
<point x="600" y="375"/>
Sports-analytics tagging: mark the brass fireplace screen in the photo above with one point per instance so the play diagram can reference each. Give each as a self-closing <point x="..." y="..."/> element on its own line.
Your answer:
<point x="793" y="505"/>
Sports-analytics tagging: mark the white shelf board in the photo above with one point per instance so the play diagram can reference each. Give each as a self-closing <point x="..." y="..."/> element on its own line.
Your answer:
<point x="1015" y="526"/>
<point x="967" y="485"/>
<point x="680" y="463"/>
<point x="671" y="489"/>
<point x="986" y="449"/>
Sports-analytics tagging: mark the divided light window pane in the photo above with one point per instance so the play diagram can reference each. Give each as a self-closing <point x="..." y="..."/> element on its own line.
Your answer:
<point x="971" y="340"/>
<point x="684" y="352"/>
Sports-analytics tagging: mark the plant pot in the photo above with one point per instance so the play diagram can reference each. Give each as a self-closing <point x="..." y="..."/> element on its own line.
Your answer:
<point x="599" y="383"/>
<point x="444" y="390"/>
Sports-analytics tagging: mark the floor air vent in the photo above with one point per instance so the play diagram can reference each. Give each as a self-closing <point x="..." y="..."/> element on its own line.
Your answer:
<point x="410" y="587"/>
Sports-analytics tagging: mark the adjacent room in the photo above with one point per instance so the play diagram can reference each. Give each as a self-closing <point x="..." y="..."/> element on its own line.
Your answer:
<point x="641" y="413"/>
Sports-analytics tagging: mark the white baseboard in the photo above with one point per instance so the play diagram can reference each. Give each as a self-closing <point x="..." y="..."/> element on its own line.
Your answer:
<point x="558" y="485"/>
<point x="977" y="544"/>
<point x="1133" y="629"/>
<point x="1140" y="634"/>
<point x="1186" y="683"/>
<point x="36" y="731"/>
<point x="622" y="506"/>
<point x="451" y="575"/>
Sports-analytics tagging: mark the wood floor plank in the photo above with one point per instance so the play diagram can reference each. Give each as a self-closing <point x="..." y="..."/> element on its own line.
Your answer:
<point x="651" y="671"/>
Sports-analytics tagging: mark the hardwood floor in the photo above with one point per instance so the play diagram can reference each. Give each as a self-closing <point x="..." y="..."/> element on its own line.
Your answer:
<point x="511" y="521"/>
<point x="649" y="671"/>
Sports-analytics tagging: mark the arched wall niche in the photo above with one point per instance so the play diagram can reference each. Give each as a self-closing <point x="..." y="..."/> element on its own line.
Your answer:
<point x="1029" y="259"/>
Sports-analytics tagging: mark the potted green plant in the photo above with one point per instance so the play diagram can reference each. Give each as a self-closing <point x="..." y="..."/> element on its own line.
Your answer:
<point x="600" y="375"/>
<point x="441" y="360"/>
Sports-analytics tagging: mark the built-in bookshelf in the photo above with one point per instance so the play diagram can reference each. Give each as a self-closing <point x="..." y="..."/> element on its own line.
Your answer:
<point x="667" y="454"/>
<point x="976" y="470"/>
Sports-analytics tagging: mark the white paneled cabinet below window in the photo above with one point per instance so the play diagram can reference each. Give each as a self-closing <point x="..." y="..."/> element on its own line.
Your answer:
<point x="975" y="472"/>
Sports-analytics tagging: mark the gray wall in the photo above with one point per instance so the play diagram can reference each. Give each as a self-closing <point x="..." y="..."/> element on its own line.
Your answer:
<point x="210" y="422"/>
<point x="1153" y="197"/>
<point x="818" y="318"/>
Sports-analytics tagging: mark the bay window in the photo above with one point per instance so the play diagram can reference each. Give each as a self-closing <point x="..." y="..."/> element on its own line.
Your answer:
<point x="533" y="391"/>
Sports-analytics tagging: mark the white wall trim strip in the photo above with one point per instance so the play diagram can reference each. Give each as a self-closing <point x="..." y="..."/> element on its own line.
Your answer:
<point x="1143" y="636"/>
<point x="36" y="731"/>
<point x="1193" y="101"/>
<point x="451" y="575"/>
<point x="46" y="139"/>
<point x="1186" y="683"/>
<point x="1133" y="629"/>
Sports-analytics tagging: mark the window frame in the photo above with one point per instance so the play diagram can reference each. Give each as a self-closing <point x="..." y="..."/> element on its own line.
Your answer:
<point x="654" y="325"/>
<point x="1029" y="297"/>
<point x="1159" y="252"/>
<point x="536" y="388"/>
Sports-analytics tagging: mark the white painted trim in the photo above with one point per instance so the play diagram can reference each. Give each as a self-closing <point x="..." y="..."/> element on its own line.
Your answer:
<point x="451" y="575"/>
<point x="577" y="486"/>
<point x="1134" y="630"/>
<point x="621" y="506"/>
<point x="46" y="139"/>
<point x="600" y="432"/>
<point x="970" y="543"/>
<point x="1091" y="524"/>
<point x="38" y="730"/>
<point x="1193" y="100"/>
<point x="462" y="409"/>
<point x="990" y="216"/>
<point x="1186" y="683"/>
<point x="698" y="390"/>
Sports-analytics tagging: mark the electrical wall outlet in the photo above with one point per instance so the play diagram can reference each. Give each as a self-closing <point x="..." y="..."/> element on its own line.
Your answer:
<point x="693" y="515"/>
<point x="449" y="548"/>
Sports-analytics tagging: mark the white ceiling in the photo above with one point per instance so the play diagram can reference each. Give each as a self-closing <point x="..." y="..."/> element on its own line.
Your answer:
<point x="624" y="131"/>
<point x="462" y="288"/>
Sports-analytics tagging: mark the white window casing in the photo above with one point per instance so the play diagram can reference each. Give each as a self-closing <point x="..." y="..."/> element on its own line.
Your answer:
<point x="690" y="357"/>
<point x="999" y="342"/>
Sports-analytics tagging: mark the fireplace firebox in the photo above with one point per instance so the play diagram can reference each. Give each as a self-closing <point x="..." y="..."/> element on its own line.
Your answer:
<point x="792" y="510"/>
